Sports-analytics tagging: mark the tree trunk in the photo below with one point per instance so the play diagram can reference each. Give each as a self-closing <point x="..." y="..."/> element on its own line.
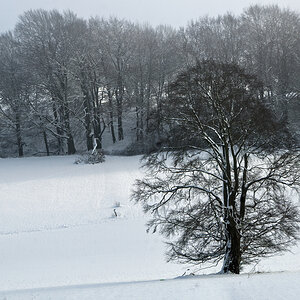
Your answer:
<point x="120" y="122"/>
<point x="139" y="113"/>
<point x="19" y="137"/>
<point x="137" y="123"/>
<point x="70" y="140"/>
<point x="120" y="126"/>
<point x="88" y="129"/>
<point x="58" y="129"/>
<point x="159" y="107"/>
<point x="111" y="116"/>
<point x="46" y="143"/>
<point x="71" y="145"/>
<point x="97" y="118"/>
<point x="148" y="95"/>
<point x="87" y="117"/>
<point x="232" y="257"/>
<point x="119" y="97"/>
<point x="89" y="140"/>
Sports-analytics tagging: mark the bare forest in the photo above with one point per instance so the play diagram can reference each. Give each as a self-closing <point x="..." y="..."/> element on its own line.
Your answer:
<point x="65" y="82"/>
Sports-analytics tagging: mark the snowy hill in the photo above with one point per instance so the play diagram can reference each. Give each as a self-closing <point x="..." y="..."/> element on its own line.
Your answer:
<point x="60" y="239"/>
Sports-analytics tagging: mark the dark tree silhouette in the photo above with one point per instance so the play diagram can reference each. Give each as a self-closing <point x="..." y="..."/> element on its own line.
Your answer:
<point x="223" y="191"/>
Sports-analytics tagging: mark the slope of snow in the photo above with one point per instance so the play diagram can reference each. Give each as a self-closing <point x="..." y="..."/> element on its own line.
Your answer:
<point x="268" y="286"/>
<point x="58" y="229"/>
<point x="47" y="193"/>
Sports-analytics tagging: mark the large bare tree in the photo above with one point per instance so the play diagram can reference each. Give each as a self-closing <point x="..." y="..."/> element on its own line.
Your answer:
<point x="222" y="191"/>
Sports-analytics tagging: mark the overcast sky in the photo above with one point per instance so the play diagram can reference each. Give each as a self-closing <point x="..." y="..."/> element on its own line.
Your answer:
<point x="173" y="12"/>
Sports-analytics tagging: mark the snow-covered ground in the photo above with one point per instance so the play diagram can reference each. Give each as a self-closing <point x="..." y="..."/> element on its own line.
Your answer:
<point x="60" y="239"/>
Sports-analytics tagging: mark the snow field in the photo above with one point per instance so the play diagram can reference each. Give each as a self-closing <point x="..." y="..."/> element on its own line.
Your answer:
<point x="60" y="239"/>
<point x="57" y="225"/>
<point x="273" y="286"/>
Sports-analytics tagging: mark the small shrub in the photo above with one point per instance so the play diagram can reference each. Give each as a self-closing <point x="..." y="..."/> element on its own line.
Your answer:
<point x="91" y="158"/>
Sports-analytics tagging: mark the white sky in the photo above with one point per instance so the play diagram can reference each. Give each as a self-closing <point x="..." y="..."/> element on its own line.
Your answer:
<point x="173" y="12"/>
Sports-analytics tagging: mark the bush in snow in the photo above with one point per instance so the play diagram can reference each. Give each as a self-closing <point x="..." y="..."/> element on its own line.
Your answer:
<point x="94" y="157"/>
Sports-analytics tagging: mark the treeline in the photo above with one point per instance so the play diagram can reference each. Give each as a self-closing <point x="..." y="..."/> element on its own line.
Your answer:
<point x="65" y="81"/>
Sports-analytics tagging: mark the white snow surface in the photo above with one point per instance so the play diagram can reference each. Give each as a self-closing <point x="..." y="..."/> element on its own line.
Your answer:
<point x="60" y="239"/>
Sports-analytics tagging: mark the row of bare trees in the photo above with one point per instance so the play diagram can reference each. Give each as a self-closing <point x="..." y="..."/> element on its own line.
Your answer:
<point x="64" y="81"/>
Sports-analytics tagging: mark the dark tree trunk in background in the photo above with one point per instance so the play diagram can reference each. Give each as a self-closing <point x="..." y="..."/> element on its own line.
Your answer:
<point x="70" y="140"/>
<point x="139" y="113"/>
<point x="111" y="116"/>
<point x="19" y="137"/>
<point x="97" y="118"/>
<point x="46" y="143"/>
<point x="87" y="119"/>
<point x="148" y="102"/>
<point x="119" y="98"/>
<point x="66" y="115"/>
<point x="71" y="145"/>
<point x="120" y="119"/>
<point x="59" y="131"/>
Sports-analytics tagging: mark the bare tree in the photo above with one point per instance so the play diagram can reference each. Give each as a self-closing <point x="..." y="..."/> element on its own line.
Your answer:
<point x="270" y="36"/>
<point x="46" y="43"/>
<point x="116" y="51"/>
<point x="87" y="72"/>
<point x="15" y="85"/>
<point x="222" y="191"/>
<point x="215" y="38"/>
<point x="89" y="76"/>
